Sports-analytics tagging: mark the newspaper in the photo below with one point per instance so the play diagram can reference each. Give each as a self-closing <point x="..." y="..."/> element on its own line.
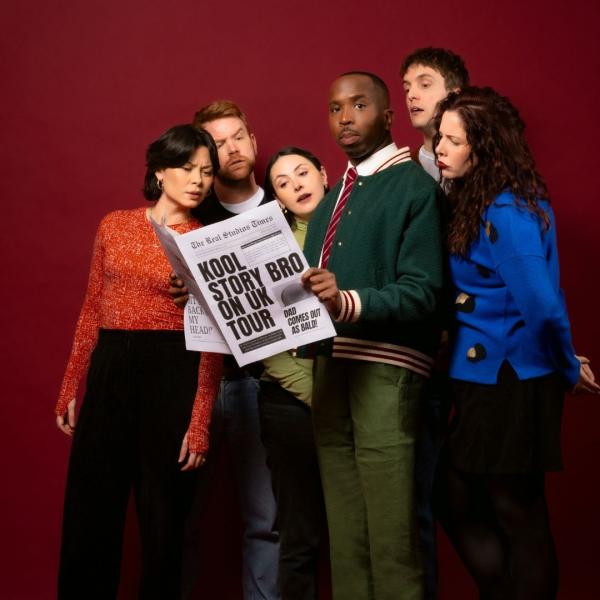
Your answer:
<point x="201" y="331"/>
<point x="248" y="269"/>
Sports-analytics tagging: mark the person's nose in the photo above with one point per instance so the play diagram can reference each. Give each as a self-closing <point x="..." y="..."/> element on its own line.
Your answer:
<point x="346" y="115"/>
<point x="297" y="185"/>
<point x="440" y="148"/>
<point x="196" y="177"/>
<point x="205" y="180"/>
<point x="231" y="146"/>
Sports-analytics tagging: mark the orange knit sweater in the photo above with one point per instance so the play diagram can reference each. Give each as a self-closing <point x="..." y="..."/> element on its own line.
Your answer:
<point x="127" y="289"/>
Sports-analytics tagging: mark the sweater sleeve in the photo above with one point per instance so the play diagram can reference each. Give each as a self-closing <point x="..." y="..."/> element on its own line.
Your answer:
<point x="415" y="293"/>
<point x="86" y="331"/>
<point x="209" y="379"/>
<point x="517" y="250"/>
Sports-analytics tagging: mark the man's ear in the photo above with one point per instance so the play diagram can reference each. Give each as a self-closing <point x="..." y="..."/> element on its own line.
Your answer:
<point x="254" y="144"/>
<point x="388" y="115"/>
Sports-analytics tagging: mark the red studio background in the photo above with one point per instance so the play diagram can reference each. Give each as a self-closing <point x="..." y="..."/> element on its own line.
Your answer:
<point x="87" y="85"/>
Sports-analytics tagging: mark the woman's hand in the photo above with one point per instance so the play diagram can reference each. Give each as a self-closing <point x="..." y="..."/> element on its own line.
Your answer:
<point x="194" y="459"/>
<point x="322" y="283"/>
<point x="66" y="421"/>
<point x="178" y="291"/>
<point x="587" y="382"/>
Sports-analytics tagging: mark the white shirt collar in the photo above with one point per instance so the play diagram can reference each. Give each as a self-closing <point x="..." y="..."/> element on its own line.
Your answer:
<point x="378" y="159"/>
<point x="369" y="165"/>
<point x="427" y="161"/>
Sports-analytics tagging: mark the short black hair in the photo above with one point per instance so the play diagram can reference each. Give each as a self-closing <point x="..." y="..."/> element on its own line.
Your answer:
<point x="379" y="84"/>
<point x="447" y="63"/>
<point x="173" y="149"/>
<point x="287" y="151"/>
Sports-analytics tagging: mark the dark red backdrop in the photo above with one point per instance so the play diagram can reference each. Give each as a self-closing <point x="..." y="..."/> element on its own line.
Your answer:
<point x="88" y="84"/>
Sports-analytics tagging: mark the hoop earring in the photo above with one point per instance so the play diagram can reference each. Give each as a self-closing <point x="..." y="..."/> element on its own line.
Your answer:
<point x="159" y="183"/>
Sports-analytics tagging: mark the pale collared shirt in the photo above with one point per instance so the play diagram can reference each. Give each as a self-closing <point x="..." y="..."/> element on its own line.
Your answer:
<point x="427" y="161"/>
<point x="386" y="157"/>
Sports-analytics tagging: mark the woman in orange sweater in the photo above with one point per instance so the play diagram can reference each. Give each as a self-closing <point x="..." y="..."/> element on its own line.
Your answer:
<point x="144" y="421"/>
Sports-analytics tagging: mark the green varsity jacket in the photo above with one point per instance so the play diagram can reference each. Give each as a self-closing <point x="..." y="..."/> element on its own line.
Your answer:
<point x="387" y="259"/>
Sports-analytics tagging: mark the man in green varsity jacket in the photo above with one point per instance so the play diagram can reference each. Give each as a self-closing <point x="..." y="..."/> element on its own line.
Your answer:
<point x="374" y="243"/>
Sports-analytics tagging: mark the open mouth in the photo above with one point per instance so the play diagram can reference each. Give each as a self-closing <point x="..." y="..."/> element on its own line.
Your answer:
<point x="442" y="165"/>
<point x="303" y="197"/>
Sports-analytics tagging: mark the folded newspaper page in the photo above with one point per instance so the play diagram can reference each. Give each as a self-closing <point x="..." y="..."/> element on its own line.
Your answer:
<point x="201" y="331"/>
<point x="248" y="269"/>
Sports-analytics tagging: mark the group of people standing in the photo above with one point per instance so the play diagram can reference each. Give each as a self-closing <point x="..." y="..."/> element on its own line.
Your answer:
<point x="346" y="435"/>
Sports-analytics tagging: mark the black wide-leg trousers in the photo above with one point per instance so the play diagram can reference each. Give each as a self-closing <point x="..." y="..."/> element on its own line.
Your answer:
<point x="140" y="392"/>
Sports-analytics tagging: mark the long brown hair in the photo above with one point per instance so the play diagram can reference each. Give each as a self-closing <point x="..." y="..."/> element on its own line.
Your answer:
<point x="501" y="161"/>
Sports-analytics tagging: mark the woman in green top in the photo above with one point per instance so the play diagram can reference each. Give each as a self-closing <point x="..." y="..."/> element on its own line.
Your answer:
<point x="298" y="181"/>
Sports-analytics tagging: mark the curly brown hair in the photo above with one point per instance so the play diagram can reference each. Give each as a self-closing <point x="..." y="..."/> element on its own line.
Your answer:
<point x="501" y="161"/>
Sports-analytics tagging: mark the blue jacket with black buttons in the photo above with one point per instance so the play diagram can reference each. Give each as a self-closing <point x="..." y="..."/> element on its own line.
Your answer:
<point x="508" y="302"/>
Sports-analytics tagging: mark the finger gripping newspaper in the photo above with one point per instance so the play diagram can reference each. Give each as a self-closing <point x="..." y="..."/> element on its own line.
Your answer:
<point x="248" y="271"/>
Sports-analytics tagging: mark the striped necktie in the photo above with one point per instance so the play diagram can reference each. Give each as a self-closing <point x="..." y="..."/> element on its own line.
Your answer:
<point x="351" y="175"/>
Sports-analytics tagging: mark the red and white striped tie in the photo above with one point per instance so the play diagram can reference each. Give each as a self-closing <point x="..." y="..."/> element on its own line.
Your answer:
<point x="351" y="175"/>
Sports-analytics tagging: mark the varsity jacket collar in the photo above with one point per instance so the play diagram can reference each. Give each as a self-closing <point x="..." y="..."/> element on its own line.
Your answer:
<point x="382" y="159"/>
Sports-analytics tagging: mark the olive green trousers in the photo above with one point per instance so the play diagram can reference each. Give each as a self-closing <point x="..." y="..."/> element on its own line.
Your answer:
<point x="366" y="418"/>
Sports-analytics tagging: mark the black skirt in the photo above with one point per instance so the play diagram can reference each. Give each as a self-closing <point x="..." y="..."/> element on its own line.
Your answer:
<point x="509" y="427"/>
